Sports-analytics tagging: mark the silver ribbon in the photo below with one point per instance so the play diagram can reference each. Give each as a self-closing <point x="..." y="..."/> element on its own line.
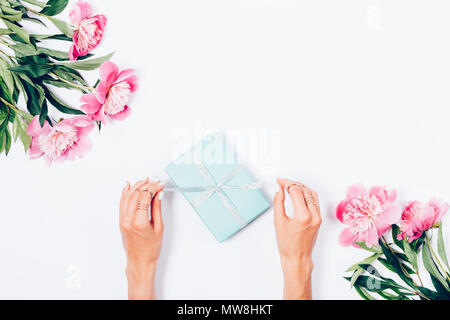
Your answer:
<point x="219" y="189"/>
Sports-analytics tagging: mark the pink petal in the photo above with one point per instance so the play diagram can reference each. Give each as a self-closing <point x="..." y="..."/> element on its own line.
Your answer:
<point x="35" y="127"/>
<point x="372" y="237"/>
<point x="133" y="82"/>
<point x="73" y="53"/>
<point x="347" y="237"/>
<point x="80" y="11"/>
<point x="122" y="115"/>
<point x="340" y="210"/>
<point x="108" y="73"/>
<point x="415" y="237"/>
<point x="391" y="214"/>
<point x="81" y="121"/>
<point x="401" y="236"/>
<point x="100" y="115"/>
<point x="440" y="207"/>
<point x="35" y="150"/>
<point x="355" y="191"/>
<point x="125" y="74"/>
<point x="84" y="145"/>
<point x="102" y="91"/>
<point x="101" y="21"/>
<point x="382" y="194"/>
<point x="92" y="105"/>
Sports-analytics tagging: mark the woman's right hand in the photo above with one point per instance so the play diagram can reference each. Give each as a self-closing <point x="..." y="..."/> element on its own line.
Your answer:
<point x="142" y="238"/>
<point x="297" y="236"/>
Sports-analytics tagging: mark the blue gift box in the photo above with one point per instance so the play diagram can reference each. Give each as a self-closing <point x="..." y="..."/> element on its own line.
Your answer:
<point x="217" y="187"/>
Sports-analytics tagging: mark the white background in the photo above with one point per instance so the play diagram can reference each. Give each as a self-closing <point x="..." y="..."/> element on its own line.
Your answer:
<point x="356" y="91"/>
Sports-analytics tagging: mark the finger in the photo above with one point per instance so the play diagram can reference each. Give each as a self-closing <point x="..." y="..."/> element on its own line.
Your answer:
<point x="142" y="208"/>
<point x="286" y="183"/>
<point x="123" y="201"/>
<point x="309" y="199"/>
<point x="153" y="187"/>
<point x="156" y="212"/>
<point x="133" y="198"/>
<point x="301" y="211"/>
<point x="316" y="212"/>
<point x="278" y="205"/>
<point x="139" y="184"/>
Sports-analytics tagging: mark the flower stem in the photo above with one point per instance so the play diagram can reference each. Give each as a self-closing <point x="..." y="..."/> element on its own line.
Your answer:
<point x="37" y="12"/>
<point x="78" y="86"/>
<point x="8" y="104"/>
<point x="420" y="279"/>
<point x="435" y="256"/>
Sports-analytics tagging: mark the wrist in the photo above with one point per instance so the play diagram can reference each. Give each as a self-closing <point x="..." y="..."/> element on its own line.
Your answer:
<point x="298" y="264"/>
<point x="297" y="277"/>
<point x="141" y="281"/>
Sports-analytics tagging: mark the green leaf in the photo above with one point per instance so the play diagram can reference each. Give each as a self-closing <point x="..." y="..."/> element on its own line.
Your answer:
<point x="23" y="50"/>
<point x="7" y="140"/>
<point x="368" y="260"/>
<point x="63" y="26"/>
<point x="370" y="283"/>
<point x="62" y="37"/>
<point x="19" y="31"/>
<point x="3" y="118"/>
<point x="44" y="114"/>
<point x="362" y="245"/>
<point x="364" y="294"/>
<point x="374" y="272"/>
<point x="89" y="64"/>
<point x="417" y="244"/>
<point x="36" y="3"/>
<point x="59" y="104"/>
<point x="430" y="294"/>
<point x="411" y="254"/>
<point x="5" y="31"/>
<point x="33" y="103"/>
<point x="431" y="267"/>
<point x="394" y="261"/>
<point x="69" y="74"/>
<point x="395" y="232"/>
<point x="11" y="17"/>
<point x="35" y="20"/>
<point x="442" y="291"/>
<point x="355" y="276"/>
<point x="11" y="11"/>
<point x="20" y="131"/>
<point x="7" y="76"/>
<point x="55" y="7"/>
<point x="389" y="296"/>
<point x="33" y="70"/>
<point x="441" y="247"/>
<point x="4" y="92"/>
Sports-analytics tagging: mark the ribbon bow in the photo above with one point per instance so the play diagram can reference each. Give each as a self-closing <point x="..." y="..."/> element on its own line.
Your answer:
<point x="219" y="189"/>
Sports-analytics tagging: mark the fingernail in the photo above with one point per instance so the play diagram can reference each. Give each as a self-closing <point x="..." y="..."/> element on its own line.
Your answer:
<point x="161" y="196"/>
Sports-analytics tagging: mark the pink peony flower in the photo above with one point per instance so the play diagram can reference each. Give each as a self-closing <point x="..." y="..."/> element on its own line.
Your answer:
<point x="367" y="215"/>
<point x="110" y="102"/>
<point x="418" y="218"/>
<point x="67" y="140"/>
<point x="89" y="30"/>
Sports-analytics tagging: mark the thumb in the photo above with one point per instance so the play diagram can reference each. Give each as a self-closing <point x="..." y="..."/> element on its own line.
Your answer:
<point x="278" y="205"/>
